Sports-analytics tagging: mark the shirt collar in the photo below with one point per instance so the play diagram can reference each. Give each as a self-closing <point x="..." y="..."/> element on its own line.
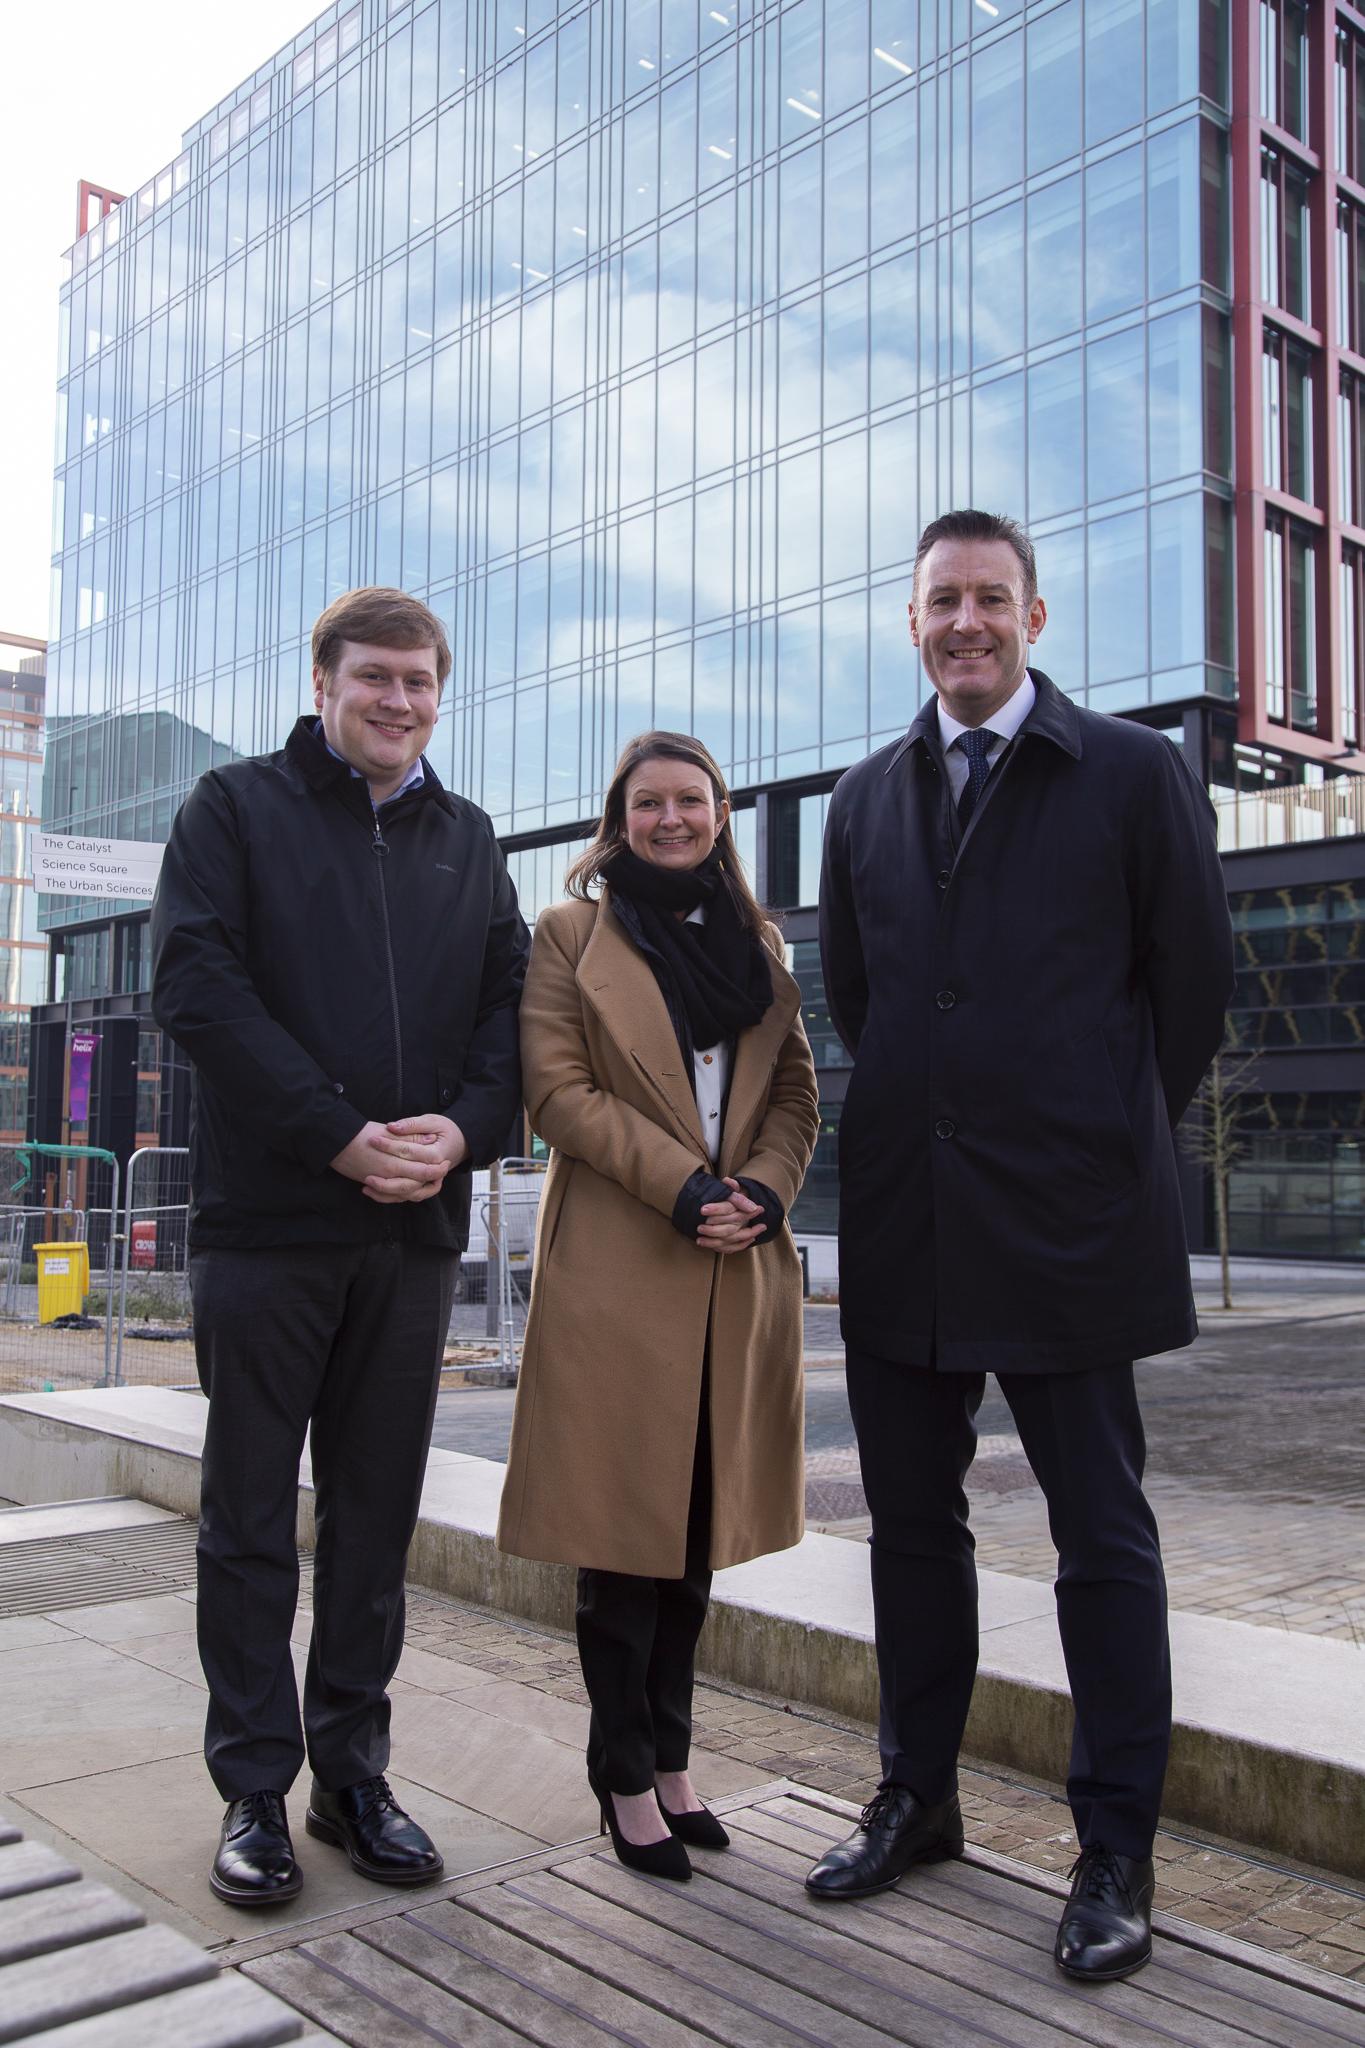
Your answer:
<point x="414" y="778"/>
<point x="1005" y="722"/>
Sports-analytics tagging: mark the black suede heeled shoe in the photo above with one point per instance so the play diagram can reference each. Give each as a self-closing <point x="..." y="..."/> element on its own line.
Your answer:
<point x="698" y="1827"/>
<point x="656" y="1859"/>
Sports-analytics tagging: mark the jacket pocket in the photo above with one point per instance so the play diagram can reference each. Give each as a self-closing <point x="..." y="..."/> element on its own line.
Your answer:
<point x="1111" y="1146"/>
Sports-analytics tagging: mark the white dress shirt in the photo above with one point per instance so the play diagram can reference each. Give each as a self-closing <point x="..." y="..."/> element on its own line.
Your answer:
<point x="1005" y="723"/>
<point x="712" y="1070"/>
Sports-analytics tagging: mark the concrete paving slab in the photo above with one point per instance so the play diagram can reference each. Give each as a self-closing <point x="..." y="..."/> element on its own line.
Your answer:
<point x="160" y="1614"/>
<point x="58" y="1758"/>
<point x="435" y="1674"/>
<point x="519" y="1706"/>
<point x="78" y="1518"/>
<point x="518" y="1777"/>
<point x="87" y="1689"/>
<point x="157" y="1825"/>
<point x="22" y="1631"/>
<point x="177" y="1653"/>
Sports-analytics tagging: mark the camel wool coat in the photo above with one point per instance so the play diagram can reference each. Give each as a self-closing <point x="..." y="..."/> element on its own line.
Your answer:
<point x="600" y="1465"/>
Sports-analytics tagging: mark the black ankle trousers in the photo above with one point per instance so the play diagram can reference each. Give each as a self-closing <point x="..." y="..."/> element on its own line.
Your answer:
<point x="637" y="1638"/>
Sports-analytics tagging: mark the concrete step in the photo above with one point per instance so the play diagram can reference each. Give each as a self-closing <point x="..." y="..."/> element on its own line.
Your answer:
<point x="1269" y="1745"/>
<point x="78" y="1518"/>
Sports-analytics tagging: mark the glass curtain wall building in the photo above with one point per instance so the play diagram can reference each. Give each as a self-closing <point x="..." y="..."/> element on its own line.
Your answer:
<point x="23" y="948"/>
<point x="640" y="339"/>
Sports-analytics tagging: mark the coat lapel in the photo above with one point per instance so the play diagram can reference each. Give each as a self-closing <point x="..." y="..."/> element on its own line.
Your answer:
<point x="755" y="1057"/>
<point x="619" y="987"/>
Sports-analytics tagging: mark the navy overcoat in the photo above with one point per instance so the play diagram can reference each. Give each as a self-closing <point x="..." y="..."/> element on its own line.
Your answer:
<point x="1030" y="1007"/>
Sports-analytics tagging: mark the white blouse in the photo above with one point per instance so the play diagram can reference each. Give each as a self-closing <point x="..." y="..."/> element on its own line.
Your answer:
<point x="712" y="1071"/>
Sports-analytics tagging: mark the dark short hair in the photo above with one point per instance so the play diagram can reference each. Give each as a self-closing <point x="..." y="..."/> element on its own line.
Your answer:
<point x="970" y="525"/>
<point x="585" y="872"/>
<point x="378" y="618"/>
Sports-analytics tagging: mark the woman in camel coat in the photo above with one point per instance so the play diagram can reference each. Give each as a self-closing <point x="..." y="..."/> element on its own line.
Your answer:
<point x="659" y="1415"/>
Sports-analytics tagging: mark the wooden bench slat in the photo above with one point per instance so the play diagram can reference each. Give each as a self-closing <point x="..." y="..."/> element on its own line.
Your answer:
<point x="337" y="1983"/>
<point x="96" y="1977"/>
<point x="34" y="1923"/>
<point x="452" y="1959"/>
<point x="550" y="1974"/>
<point x="905" y="1926"/>
<point x="727" y="2000"/>
<point x="31" y="1867"/>
<point x="228" y="2013"/>
<point x="1014" y="1925"/>
<point x="828" y="1962"/>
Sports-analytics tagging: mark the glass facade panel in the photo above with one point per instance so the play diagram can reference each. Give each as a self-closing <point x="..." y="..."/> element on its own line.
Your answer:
<point x="639" y="376"/>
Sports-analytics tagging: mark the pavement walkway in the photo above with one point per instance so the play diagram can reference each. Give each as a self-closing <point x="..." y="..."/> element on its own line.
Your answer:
<point x="102" y="1707"/>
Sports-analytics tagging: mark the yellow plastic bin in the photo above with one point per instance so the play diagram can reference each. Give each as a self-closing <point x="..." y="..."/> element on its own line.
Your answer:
<point x="63" y="1279"/>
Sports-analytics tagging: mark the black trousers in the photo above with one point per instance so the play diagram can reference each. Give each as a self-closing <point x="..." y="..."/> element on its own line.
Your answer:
<point x="1083" y="1436"/>
<point x="637" y="1641"/>
<point x="347" y="1341"/>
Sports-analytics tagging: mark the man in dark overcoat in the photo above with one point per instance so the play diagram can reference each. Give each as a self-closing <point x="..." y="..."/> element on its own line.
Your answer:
<point x="1027" y="952"/>
<point x="339" y="952"/>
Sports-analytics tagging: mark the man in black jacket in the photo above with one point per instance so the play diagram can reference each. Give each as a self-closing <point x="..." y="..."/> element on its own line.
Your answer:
<point x="1027" y="951"/>
<point x="338" y="949"/>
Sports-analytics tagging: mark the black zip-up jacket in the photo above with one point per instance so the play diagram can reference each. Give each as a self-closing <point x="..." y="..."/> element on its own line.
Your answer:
<point x="322" y="967"/>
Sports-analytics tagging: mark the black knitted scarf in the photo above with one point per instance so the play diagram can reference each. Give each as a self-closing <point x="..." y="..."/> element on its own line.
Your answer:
<point x="720" y="969"/>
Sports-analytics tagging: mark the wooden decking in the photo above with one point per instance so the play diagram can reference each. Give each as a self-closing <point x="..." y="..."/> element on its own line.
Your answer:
<point x="80" y="1968"/>
<point x="569" y="1949"/>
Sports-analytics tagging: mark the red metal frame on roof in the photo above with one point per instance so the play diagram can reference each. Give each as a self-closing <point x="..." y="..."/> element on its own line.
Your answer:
<point x="85" y="192"/>
<point x="1250" y="311"/>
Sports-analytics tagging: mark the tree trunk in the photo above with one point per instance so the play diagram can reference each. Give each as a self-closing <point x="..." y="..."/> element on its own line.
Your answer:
<point x="1220" y="1186"/>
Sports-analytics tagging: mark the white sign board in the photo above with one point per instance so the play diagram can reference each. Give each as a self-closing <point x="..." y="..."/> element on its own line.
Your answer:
<point x="122" y="868"/>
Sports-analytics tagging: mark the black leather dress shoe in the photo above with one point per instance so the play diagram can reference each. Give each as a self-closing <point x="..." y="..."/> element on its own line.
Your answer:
<point x="1106" y="1929"/>
<point x="255" y="1862"/>
<point x="893" y="1832"/>
<point x="381" y="1840"/>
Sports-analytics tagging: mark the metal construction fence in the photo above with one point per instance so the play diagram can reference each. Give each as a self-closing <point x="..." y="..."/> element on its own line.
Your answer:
<point x="153" y="1346"/>
<point x="59" y="1230"/>
<point x="510" y="1210"/>
<point x="128" y="1321"/>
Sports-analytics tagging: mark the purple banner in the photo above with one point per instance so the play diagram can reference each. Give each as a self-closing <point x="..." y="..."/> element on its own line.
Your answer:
<point x="83" y="1045"/>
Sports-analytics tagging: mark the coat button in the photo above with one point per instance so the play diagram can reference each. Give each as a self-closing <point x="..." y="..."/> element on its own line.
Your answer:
<point x="943" y="877"/>
<point x="945" y="999"/>
<point x="446" y="1094"/>
<point x="945" y="1128"/>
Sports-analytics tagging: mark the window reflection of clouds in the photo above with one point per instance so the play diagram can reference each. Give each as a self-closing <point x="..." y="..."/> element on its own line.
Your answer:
<point x="997" y="304"/>
<point x="1116" y="435"/>
<point x="1056" y="440"/>
<point x="1115" y="237"/>
<point x="448" y="499"/>
<point x="1054" y="261"/>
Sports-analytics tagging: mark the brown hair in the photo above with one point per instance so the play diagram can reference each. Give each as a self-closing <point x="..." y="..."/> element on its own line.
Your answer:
<point x="611" y="833"/>
<point x="378" y="618"/>
<point x="971" y="525"/>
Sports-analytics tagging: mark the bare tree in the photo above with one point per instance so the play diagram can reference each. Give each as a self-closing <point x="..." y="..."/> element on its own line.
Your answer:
<point x="1215" y="1137"/>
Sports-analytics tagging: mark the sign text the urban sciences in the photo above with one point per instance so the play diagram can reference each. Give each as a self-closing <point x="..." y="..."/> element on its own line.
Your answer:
<point x="125" y="869"/>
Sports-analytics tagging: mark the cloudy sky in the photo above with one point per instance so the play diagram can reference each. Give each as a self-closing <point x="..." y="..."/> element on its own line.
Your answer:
<point x="102" y="93"/>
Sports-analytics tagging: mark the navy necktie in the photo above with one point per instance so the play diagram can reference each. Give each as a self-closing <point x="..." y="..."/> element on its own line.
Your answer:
<point x="975" y="745"/>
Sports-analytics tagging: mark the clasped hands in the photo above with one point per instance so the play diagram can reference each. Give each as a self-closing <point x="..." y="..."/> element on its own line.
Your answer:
<point x="405" y="1161"/>
<point x="730" y="1226"/>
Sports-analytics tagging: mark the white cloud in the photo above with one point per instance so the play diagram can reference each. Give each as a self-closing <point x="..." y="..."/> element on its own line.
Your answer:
<point x="103" y="96"/>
